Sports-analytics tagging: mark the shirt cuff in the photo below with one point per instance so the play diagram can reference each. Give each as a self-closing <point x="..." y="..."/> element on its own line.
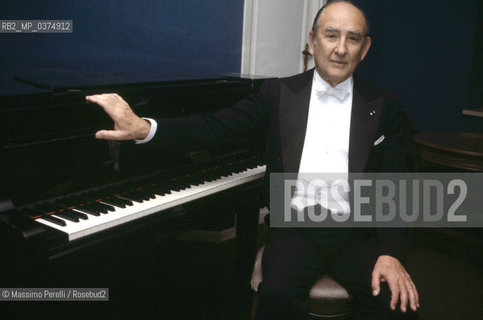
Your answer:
<point x="152" y="132"/>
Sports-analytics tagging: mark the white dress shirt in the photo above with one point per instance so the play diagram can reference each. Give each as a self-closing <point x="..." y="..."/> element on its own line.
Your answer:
<point x="326" y="147"/>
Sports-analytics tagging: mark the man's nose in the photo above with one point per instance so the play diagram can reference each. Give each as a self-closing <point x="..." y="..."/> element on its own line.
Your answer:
<point x="341" y="48"/>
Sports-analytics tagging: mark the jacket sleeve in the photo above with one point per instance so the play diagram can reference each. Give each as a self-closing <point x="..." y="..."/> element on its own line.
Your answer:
<point x="247" y="118"/>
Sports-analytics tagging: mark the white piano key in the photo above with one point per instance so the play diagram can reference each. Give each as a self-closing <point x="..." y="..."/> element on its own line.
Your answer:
<point x="94" y="224"/>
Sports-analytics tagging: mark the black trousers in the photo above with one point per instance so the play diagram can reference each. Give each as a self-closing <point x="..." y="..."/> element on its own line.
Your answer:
<point x="295" y="258"/>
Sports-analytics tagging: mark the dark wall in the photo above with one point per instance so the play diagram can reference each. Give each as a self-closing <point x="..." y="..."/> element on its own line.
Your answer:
<point x="168" y="37"/>
<point x="424" y="52"/>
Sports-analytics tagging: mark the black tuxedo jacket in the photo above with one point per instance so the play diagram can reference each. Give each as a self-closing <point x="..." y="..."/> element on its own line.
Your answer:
<point x="279" y="112"/>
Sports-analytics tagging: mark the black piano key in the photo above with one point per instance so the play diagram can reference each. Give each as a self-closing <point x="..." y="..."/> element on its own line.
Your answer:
<point x="67" y="216"/>
<point x="144" y="196"/>
<point x="94" y="199"/>
<point x="136" y="196"/>
<point x="114" y="202"/>
<point x="33" y="213"/>
<point x="132" y="196"/>
<point x="108" y="207"/>
<point x="163" y="188"/>
<point x="202" y="180"/>
<point x="90" y="207"/>
<point x="50" y="208"/>
<point x="85" y="210"/>
<point x="160" y="193"/>
<point x="97" y="207"/>
<point x="126" y="201"/>
<point x="145" y="189"/>
<point x="55" y="220"/>
<point x="63" y="208"/>
<point x="80" y="215"/>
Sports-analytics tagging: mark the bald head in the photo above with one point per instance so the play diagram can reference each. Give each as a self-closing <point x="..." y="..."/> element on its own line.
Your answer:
<point x="319" y="15"/>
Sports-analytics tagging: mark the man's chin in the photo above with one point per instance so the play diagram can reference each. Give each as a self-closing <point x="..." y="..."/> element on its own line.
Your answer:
<point x="335" y="80"/>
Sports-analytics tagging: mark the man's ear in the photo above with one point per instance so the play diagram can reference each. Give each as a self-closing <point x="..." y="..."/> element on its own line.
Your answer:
<point x="365" y="47"/>
<point x="312" y="42"/>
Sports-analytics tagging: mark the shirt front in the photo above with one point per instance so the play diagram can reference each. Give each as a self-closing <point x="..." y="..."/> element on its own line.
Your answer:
<point x="326" y="148"/>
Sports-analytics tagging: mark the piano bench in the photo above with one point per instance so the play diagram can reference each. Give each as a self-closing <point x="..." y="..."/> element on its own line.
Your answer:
<point x="328" y="299"/>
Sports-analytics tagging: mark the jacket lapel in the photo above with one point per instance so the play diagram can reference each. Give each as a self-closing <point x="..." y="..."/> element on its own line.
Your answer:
<point x="365" y="115"/>
<point x="294" y="108"/>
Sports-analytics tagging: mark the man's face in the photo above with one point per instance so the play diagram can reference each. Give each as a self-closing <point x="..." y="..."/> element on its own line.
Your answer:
<point x="339" y="43"/>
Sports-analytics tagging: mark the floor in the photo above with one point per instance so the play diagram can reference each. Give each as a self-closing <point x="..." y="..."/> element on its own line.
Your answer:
<point x="161" y="278"/>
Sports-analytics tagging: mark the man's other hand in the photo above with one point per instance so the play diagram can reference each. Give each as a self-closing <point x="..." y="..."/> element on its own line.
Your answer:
<point x="127" y="125"/>
<point x="390" y="270"/>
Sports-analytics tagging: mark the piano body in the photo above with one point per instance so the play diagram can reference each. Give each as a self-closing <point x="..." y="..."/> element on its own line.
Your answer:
<point x="64" y="191"/>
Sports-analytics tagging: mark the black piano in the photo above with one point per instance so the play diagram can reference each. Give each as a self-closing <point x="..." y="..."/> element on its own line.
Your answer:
<point x="63" y="191"/>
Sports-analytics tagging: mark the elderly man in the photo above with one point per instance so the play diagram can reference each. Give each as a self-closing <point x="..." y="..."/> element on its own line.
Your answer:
<point x="324" y="120"/>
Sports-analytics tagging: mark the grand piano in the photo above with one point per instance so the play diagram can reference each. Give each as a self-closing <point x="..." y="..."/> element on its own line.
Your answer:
<point x="64" y="191"/>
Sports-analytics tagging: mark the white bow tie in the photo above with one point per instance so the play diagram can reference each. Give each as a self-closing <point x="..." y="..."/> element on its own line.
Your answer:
<point x="340" y="94"/>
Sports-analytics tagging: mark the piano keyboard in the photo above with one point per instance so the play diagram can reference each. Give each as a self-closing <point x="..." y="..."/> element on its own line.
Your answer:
<point x="85" y="219"/>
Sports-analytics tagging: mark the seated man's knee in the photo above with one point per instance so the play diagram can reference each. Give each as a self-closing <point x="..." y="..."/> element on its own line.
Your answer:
<point x="276" y="301"/>
<point x="269" y="291"/>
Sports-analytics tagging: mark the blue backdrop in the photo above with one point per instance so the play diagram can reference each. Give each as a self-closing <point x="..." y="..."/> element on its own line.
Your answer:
<point x="168" y="37"/>
<point x="424" y="53"/>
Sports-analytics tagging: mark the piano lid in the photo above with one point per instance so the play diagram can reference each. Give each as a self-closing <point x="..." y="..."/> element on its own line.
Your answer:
<point x="70" y="80"/>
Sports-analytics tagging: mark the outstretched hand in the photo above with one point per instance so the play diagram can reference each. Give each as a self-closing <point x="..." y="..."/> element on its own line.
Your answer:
<point x="127" y="125"/>
<point x="390" y="270"/>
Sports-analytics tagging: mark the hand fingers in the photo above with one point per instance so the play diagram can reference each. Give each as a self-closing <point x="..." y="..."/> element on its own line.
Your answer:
<point x="110" y="102"/>
<point x="100" y="99"/>
<point x="375" y="283"/>
<point x="417" y="294"/>
<point x="403" y="294"/>
<point x="111" y="135"/>
<point x="394" y="287"/>
<point x="413" y="294"/>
